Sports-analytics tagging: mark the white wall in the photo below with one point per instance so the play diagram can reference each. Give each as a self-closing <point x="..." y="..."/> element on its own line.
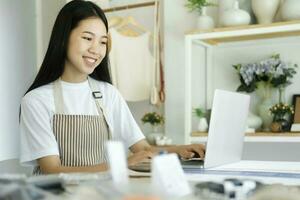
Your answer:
<point x="17" y="65"/>
<point x="176" y="22"/>
<point x="46" y="12"/>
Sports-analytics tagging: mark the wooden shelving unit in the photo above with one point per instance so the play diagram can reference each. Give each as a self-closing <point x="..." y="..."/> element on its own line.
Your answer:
<point x="210" y="40"/>
<point x="249" y="32"/>
<point x="255" y="137"/>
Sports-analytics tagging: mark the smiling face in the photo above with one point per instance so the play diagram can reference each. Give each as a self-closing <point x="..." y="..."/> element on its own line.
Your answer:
<point x="86" y="49"/>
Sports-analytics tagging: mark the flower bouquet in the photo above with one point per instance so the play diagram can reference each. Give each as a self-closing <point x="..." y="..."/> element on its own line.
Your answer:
<point x="272" y="71"/>
<point x="153" y="118"/>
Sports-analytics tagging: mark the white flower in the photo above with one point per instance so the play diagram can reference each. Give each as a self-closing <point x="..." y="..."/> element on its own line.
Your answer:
<point x="271" y="70"/>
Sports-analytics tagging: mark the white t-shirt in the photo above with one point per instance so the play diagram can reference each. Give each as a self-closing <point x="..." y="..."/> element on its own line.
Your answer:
<point x="37" y="110"/>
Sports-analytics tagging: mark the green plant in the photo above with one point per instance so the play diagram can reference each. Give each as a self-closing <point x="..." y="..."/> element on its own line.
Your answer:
<point x="199" y="112"/>
<point x="197" y="5"/>
<point x="153" y="118"/>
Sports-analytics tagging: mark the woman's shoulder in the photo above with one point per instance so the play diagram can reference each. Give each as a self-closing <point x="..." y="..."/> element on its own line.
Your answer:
<point x="40" y="94"/>
<point x="110" y="92"/>
<point x="106" y="87"/>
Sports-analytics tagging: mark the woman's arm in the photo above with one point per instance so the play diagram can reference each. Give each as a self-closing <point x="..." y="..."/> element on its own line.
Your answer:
<point x="184" y="151"/>
<point x="52" y="165"/>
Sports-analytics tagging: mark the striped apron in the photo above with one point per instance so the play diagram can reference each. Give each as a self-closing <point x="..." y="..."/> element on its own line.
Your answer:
<point x="80" y="138"/>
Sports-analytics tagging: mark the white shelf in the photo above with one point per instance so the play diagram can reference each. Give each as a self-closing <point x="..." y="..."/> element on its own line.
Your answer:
<point x="256" y="137"/>
<point x="210" y="40"/>
<point x="246" y="33"/>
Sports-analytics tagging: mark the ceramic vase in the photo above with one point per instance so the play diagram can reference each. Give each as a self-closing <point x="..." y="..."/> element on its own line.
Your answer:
<point x="202" y="124"/>
<point x="205" y="22"/>
<point x="151" y="137"/>
<point x="254" y="121"/>
<point x="281" y="94"/>
<point x="263" y="111"/>
<point x="290" y="10"/>
<point x="265" y="92"/>
<point x="223" y="5"/>
<point x="234" y="16"/>
<point x="282" y="123"/>
<point x="265" y="10"/>
<point x="163" y="140"/>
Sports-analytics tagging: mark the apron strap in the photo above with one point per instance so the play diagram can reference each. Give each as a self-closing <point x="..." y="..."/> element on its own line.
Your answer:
<point x="58" y="97"/>
<point x="98" y="97"/>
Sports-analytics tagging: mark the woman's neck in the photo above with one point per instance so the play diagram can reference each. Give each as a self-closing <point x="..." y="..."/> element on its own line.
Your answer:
<point x="73" y="79"/>
<point x="72" y="76"/>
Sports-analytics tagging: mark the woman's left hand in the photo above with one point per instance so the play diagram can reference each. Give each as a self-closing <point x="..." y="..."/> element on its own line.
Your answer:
<point x="190" y="151"/>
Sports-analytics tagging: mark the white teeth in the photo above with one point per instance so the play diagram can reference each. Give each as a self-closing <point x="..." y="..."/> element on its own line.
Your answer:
<point x="91" y="60"/>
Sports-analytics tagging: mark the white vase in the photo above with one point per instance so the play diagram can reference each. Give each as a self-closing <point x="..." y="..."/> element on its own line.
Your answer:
<point x="229" y="4"/>
<point x="265" y="10"/>
<point x="254" y="121"/>
<point x="265" y="91"/>
<point x="163" y="140"/>
<point x="290" y="10"/>
<point x="205" y="22"/>
<point x="151" y="137"/>
<point x="202" y="124"/>
<point x="263" y="111"/>
<point x="234" y="16"/>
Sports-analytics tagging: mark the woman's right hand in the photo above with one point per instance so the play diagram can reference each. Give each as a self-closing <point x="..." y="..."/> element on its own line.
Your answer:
<point x="141" y="156"/>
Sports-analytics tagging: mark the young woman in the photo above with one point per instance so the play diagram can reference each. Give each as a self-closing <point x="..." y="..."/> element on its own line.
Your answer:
<point x="71" y="109"/>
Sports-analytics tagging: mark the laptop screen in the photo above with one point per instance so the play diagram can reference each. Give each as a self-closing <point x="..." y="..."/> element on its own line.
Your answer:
<point x="227" y="128"/>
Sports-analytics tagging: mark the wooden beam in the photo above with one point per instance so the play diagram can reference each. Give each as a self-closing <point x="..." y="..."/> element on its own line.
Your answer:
<point x="261" y="134"/>
<point x="130" y="6"/>
<point x="215" y="41"/>
<point x="243" y="27"/>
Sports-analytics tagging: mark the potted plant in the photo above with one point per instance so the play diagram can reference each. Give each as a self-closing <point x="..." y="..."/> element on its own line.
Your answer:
<point x="281" y="117"/>
<point x="155" y="120"/>
<point x="197" y="5"/>
<point x="263" y="77"/>
<point x="201" y="114"/>
<point x="204" y="21"/>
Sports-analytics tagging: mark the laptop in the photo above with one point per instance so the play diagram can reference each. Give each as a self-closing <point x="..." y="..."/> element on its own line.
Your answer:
<point x="226" y="130"/>
<point x="226" y="133"/>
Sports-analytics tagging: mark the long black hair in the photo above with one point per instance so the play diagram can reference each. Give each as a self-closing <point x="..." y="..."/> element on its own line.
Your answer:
<point x="68" y="18"/>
